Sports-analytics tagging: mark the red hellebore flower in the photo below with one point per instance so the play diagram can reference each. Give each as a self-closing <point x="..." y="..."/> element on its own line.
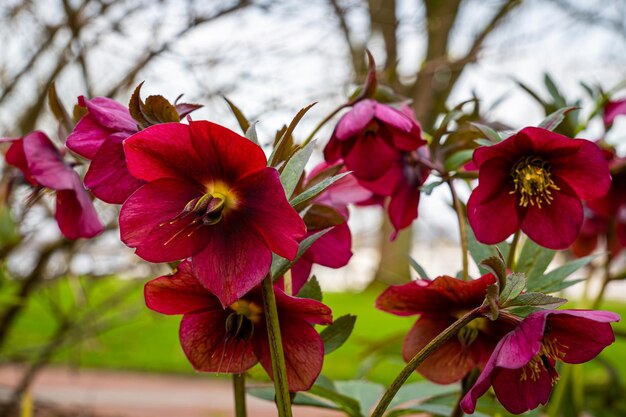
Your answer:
<point x="98" y="136"/>
<point x="42" y="165"/>
<point x="369" y="138"/>
<point x="233" y="339"/>
<point x="209" y="196"/>
<point x="521" y="368"/>
<point x="440" y="303"/>
<point x="333" y="249"/>
<point x="612" y="109"/>
<point x="535" y="181"/>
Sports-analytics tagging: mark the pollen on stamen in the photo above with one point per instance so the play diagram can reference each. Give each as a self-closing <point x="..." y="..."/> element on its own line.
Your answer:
<point x="532" y="179"/>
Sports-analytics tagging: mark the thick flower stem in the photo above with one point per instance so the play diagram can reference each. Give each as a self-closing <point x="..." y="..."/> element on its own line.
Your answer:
<point x="510" y="260"/>
<point x="279" y="369"/>
<point x="430" y="348"/>
<point x="239" y="388"/>
<point x="458" y="207"/>
<point x="322" y="123"/>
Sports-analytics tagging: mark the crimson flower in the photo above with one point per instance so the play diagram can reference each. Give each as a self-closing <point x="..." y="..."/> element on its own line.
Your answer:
<point x="234" y="338"/>
<point x="333" y="249"/>
<point x="43" y="166"/>
<point x="440" y="303"/>
<point x="209" y="196"/>
<point x="521" y="368"/>
<point x="612" y="109"/>
<point x="98" y="136"/>
<point x="535" y="181"/>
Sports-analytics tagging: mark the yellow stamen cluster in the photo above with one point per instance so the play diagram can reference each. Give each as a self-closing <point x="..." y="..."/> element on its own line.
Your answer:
<point x="532" y="179"/>
<point x="248" y="309"/>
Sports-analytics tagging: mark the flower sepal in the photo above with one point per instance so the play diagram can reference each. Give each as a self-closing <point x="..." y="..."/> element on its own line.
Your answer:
<point x="157" y="109"/>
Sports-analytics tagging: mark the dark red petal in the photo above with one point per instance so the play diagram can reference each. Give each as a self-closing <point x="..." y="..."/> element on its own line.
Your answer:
<point x="333" y="248"/>
<point x="75" y="213"/>
<point x="311" y="311"/>
<point x="304" y="352"/>
<point x="332" y="151"/>
<point x="403" y="207"/>
<point x="493" y="195"/>
<point x="111" y="114"/>
<point x="555" y="225"/>
<point x="612" y="109"/>
<point x="581" y="335"/>
<point x="464" y="294"/>
<point x="203" y="339"/>
<point x="234" y="261"/>
<point x="448" y="364"/>
<point x="108" y="177"/>
<point x="413" y="298"/>
<point x="45" y="163"/>
<point x="370" y="157"/>
<point x="264" y="207"/>
<point x="387" y="183"/>
<point x="356" y="120"/>
<point x="506" y="150"/>
<point x="227" y="155"/>
<point x="15" y="156"/>
<point x="87" y="137"/>
<point x="180" y="293"/>
<point x="586" y="171"/>
<point x="146" y="216"/>
<point x="165" y="151"/>
<point x="542" y="142"/>
<point x="518" y="395"/>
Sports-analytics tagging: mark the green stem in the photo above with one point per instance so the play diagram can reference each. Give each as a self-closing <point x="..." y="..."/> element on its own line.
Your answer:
<point x="322" y="123"/>
<point x="279" y="369"/>
<point x="460" y="213"/>
<point x="239" y="387"/>
<point x="430" y="348"/>
<point x="510" y="260"/>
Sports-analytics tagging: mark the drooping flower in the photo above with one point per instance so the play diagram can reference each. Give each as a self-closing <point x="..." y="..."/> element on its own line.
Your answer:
<point x="98" y="136"/>
<point x="535" y="181"/>
<point x="329" y="209"/>
<point x="521" y="368"/>
<point x="234" y="338"/>
<point x="440" y="303"/>
<point x="383" y="145"/>
<point x="43" y="166"/>
<point x="612" y="109"/>
<point x="209" y="196"/>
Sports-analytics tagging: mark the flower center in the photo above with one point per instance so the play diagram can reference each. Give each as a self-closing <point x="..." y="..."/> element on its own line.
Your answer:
<point x="240" y="323"/>
<point x="468" y="334"/>
<point x="551" y="350"/>
<point x="533" y="181"/>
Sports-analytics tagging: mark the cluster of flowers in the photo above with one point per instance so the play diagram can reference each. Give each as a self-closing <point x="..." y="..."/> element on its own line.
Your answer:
<point x="203" y="195"/>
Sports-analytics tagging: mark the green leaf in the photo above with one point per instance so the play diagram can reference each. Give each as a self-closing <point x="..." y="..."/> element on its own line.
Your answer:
<point x="301" y="398"/>
<point x="554" y="120"/>
<point x="534" y="259"/>
<point x="558" y="98"/>
<point x="311" y="289"/>
<point x="345" y="403"/>
<point x="281" y="265"/>
<point x="244" y="124"/>
<point x="531" y="93"/>
<point x="294" y="168"/>
<point x="428" y="188"/>
<point x="278" y="150"/>
<point x="251" y="134"/>
<point x="490" y="134"/>
<point x="536" y="299"/>
<point x="366" y="393"/>
<point x="493" y="301"/>
<point x="422" y="390"/>
<point x="496" y="265"/>
<point x="317" y="189"/>
<point x="418" y="268"/>
<point x="554" y="279"/>
<point x="457" y="159"/>
<point x="515" y="284"/>
<point x="484" y="142"/>
<point x="433" y="409"/>
<point x="336" y="334"/>
<point x="478" y="251"/>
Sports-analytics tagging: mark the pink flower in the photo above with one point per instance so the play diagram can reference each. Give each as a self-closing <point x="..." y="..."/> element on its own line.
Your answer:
<point x="209" y="196"/>
<point x="42" y="165"/>
<point x="612" y="109"/>
<point x="98" y="136"/>
<point x="440" y="303"/>
<point x="535" y="181"/>
<point x="521" y="368"/>
<point x="234" y="338"/>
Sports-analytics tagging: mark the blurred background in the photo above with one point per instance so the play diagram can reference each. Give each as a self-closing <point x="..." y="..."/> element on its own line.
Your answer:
<point x="74" y="309"/>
